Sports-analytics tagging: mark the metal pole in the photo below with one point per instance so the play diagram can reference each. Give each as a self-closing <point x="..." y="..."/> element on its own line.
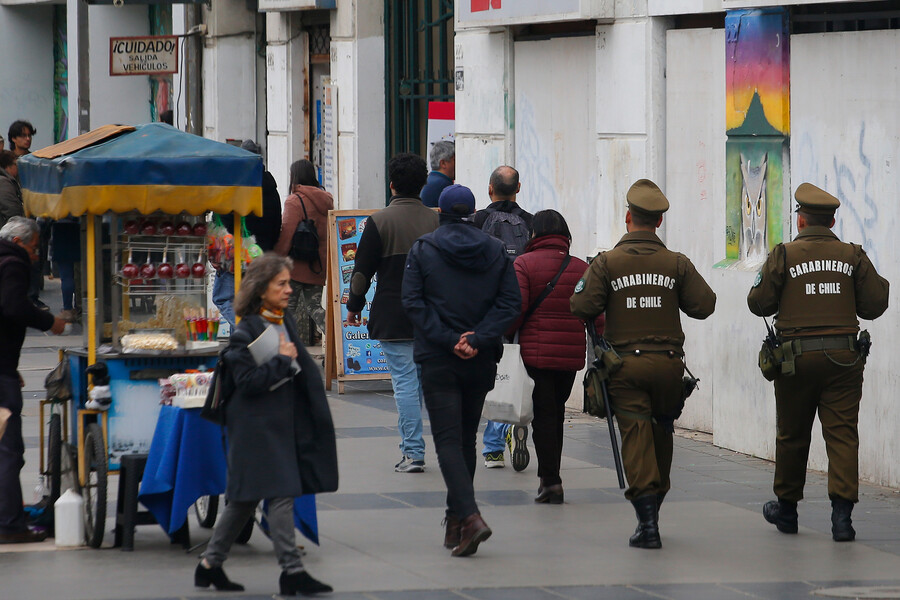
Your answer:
<point x="193" y="56"/>
<point x="84" y="67"/>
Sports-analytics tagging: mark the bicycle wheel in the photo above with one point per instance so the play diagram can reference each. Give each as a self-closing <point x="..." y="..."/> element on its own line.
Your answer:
<point x="206" y="509"/>
<point x="94" y="492"/>
<point x="54" y="456"/>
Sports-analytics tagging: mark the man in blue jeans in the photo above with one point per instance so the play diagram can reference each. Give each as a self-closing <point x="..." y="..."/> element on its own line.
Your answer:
<point x="382" y="250"/>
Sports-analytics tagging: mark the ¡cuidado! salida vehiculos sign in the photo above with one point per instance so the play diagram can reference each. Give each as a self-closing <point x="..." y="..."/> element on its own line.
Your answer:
<point x="147" y="55"/>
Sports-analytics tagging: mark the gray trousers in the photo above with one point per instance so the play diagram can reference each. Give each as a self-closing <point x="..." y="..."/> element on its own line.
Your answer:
<point x="281" y="530"/>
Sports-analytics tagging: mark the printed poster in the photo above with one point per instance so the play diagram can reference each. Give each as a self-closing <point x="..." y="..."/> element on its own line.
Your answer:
<point x="361" y="355"/>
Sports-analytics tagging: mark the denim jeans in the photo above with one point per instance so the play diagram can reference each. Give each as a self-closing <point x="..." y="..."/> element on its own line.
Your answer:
<point x="406" y="380"/>
<point x="494" y="437"/>
<point x="454" y="393"/>
<point x="223" y="295"/>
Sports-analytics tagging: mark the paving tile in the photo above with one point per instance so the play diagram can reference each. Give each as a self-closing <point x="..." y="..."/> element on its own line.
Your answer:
<point x="416" y="595"/>
<point x="420" y="499"/>
<point x="601" y="592"/>
<point x="690" y="591"/>
<point x="503" y="497"/>
<point x="356" y="502"/>
<point x="365" y="432"/>
<point x="788" y="590"/>
<point x="522" y="593"/>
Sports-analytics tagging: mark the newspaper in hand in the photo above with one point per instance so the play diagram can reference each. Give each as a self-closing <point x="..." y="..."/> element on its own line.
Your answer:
<point x="266" y="347"/>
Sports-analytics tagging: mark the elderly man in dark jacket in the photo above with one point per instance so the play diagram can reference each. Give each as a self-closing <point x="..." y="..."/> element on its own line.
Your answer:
<point x="461" y="294"/>
<point x="19" y="243"/>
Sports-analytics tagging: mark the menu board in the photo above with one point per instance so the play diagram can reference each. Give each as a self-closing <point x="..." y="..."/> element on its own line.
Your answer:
<point x="350" y="353"/>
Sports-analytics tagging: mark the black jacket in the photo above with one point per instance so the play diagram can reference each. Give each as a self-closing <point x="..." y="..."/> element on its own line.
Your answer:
<point x="459" y="279"/>
<point x="504" y="206"/>
<point x="17" y="312"/>
<point x="281" y="443"/>
<point x="266" y="228"/>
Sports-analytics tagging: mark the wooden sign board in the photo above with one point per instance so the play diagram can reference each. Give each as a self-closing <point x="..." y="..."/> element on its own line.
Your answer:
<point x="349" y="353"/>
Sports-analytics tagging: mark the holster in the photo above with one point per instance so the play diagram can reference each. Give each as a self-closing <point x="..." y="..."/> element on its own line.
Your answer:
<point x="612" y="362"/>
<point x="593" y="392"/>
<point x="770" y="360"/>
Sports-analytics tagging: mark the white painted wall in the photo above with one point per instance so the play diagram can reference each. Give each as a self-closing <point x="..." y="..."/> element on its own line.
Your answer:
<point x="357" y="69"/>
<point x="483" y="136"/>
<point x="695" y="187"/>
<point x="555" y="143"/>
<point x="124" y="99"/>
<point x="230" y="107"/>
<point x="846" y="139"/>
<point x="26" y="83"/>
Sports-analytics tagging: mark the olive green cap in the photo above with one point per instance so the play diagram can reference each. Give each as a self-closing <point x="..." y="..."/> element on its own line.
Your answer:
<point x="644" y="196"/>
<point x="815" y="201"/>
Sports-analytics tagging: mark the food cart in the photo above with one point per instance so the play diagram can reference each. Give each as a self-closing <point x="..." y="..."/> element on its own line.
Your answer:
<point x="142" y="194"/>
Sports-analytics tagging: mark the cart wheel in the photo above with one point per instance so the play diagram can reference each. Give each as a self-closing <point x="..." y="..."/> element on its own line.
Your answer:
<point x="246" y="532"/>
<point x="94" y="492"/>
<point x="54" y="454"/>
<point x="206" y="507"/>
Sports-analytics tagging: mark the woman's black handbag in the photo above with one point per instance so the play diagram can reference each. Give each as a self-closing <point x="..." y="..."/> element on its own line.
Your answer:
<point x="220" y="388"/>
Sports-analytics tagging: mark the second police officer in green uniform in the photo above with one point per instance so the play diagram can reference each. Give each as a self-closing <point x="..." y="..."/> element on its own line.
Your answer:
<point x="642" y="286"/>
<point x="817" y="285"/>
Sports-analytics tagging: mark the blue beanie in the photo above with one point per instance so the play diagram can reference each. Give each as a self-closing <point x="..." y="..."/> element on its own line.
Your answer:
<point x="457" y="200"/>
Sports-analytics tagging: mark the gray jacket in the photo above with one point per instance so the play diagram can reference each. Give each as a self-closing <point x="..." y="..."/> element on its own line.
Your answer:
<point x="10" y="198"/>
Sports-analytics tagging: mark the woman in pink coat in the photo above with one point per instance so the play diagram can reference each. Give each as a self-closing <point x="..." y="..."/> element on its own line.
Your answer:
<point x="552" y="341"/>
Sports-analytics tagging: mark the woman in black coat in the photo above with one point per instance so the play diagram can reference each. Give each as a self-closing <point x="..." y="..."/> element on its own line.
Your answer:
<point x="281" y="441"/>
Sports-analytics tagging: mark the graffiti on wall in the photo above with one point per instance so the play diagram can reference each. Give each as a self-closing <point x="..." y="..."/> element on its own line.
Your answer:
<point x="849" y="176"/>
<point x="60" y="76"/>
<point x="758" y="128"/>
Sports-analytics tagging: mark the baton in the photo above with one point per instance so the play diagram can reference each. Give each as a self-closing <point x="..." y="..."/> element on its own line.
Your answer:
<point x="614" y="441"/>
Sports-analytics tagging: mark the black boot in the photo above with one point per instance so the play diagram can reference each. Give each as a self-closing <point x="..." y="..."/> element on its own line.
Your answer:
<point x="841" y="525"/>
<point x="301" y="583"/>
<point x="647" y="533"/>
<point x="782" y="514"/>
<point x="203" y="577"/>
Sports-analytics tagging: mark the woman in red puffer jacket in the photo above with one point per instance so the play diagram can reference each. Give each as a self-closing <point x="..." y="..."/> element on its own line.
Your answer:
<point x="552" y="340"/>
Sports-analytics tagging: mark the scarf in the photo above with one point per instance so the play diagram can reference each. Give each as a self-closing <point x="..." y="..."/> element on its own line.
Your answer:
<point x="272" y="316"/>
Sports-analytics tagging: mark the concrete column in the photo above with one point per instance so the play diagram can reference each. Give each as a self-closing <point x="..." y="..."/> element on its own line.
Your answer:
<point x="484" y="107"/>
<point x="287" y="95"/>
<point x="229" y="72"/>
<point x="631" y="115"/>
<point x="357" y="69"/>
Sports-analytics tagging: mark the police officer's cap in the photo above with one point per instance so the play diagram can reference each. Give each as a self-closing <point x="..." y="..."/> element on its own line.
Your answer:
<point x="644" y="196"/>
<point x="815" y="201"/>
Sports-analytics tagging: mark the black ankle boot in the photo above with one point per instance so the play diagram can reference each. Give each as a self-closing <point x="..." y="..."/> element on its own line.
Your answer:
<point x="301" y="583"/>
<point x="647" y="533"/>
<point x="841" y="524"/>
<point x="782" y="514"/>
<point x="203" y="577"/>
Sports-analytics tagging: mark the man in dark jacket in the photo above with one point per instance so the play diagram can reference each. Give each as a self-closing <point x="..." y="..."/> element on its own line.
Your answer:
<point x="503" y="187"/>
<point x="10" y="190"/>
<point x="461" y="294"/>
<point x="443" y="170"/>
<point x="19" y="244"/>
<point x="382" y="250"/>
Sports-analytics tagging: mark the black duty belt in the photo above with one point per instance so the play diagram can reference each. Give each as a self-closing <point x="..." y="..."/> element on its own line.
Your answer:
<point x="836" y="342"/>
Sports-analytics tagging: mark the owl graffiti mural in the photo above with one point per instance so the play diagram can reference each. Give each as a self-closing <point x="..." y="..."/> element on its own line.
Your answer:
<point x="758" y="127"/>
<point x="753" y="210"/>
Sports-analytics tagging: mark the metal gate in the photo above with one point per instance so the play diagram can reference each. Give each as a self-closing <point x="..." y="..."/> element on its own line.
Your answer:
<point x="418" y="39"/>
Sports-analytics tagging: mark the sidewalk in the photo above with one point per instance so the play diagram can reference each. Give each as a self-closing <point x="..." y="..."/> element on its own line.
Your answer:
<point x="381" y="533"/>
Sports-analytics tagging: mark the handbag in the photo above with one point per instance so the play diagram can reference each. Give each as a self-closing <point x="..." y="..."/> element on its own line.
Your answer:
<point x="510" y="401"/>
<point x="58" y="382"/>
<point x="220" y="388"/>
<point x="305" y="241"/>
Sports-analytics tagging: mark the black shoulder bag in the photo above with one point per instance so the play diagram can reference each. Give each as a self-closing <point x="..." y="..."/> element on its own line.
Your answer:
<point x="550" y="285"/>
<point x="305" y="241"/>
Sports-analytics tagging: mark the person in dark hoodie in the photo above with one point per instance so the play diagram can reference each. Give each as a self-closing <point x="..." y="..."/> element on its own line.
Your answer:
<point x="461" y="294"/>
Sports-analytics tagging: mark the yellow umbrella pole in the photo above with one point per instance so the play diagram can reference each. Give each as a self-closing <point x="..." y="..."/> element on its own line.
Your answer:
<point x="91" y="290"/>
<point x="238" y="251"/>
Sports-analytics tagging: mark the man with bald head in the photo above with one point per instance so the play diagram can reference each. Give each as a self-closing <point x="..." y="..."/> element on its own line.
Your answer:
<point x="643" y="287"/>
<point x="511" y="224"/>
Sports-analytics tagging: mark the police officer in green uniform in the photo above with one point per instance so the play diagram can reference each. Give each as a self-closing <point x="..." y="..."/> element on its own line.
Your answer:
<point x="642" y="286"/>
<point x="818" y="285"/>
